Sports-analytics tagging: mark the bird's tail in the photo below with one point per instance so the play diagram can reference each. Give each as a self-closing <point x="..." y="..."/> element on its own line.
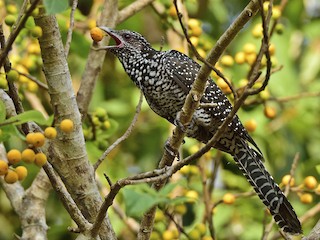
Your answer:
<point x="250" y="163"/>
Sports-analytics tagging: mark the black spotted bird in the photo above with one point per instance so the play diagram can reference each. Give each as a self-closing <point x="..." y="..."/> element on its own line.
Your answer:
<point x="165" y="78"/>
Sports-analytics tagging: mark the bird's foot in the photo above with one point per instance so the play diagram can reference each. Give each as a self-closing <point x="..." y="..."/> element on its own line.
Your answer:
<point x="172" y="152"/>
<point x="178" y="123"/>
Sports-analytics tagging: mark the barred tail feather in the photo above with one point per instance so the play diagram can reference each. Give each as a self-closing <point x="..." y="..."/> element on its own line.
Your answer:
<point x="250" y="163"/>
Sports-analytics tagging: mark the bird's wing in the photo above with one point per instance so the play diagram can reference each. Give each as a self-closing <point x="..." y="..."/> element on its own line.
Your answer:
<point x="183" y="70"/>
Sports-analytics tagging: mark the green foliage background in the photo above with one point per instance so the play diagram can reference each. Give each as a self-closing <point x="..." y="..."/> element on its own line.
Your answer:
<point x="294" y="130"/>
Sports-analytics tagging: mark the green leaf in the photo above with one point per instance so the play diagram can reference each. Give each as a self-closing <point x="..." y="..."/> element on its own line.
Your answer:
<point x="57" y="6"/>
<point x="318" y="168"/>
<point x="2" y="111"/>
<point x="138" y="199"/>
<point x="27" y="116"/>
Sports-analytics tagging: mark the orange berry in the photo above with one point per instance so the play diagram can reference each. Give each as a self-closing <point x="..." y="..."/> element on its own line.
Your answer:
<point x="306" y="198"/>
<point x="28" y="155"/>
<point x="272" y="49"/>
<point x="96" y="34"/>
<point x="14" y="156"/>
<point x="310" y="182"/>
<point x="66" y="125"/>
<point x="38" y="139"/>
<point x="50" y="132"/>
<point x="250" y="125"/>
<point x="228" y="198"/>
<point x="270" y="112"/>
<point x="172" y="12"/>
<point x="285" y="180"/>
<point x="22" y="172"/>
<point x="30" y="138"/>
<point x="3" y="167"/>
<point x="40" y="159"/>
<point x="11" y="176"/>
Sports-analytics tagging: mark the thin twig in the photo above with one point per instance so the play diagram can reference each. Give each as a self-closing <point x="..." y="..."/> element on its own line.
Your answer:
<point x="132" y="9"/>
<point x="124" y="136"/>
<point x="32" y="78"/>
<point x="71" y="25"/>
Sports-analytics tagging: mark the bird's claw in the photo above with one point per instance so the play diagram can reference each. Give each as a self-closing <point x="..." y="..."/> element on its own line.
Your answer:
<point x="172" y="152"/>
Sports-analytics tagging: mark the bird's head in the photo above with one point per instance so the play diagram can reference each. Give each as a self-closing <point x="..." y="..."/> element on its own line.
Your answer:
<point x="126" y="41"/>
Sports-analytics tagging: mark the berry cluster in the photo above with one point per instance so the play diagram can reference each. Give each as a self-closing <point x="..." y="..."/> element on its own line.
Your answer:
<point x="25" y="53"/>
<point x="12" y="171"/>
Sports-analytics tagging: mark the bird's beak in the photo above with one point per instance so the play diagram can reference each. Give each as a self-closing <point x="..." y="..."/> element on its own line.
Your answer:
<point x="116" y="37"/>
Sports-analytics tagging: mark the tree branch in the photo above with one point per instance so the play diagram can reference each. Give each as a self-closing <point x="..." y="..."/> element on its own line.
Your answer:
<point x="67" y="152"/>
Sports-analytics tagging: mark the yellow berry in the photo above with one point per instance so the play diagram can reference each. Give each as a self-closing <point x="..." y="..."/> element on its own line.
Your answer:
<point x="180" y="209"/>
<point x="12" y="9"/>
<point x="28" y="155"/>
<point x="196" y="31"/>
<point x="192" y="195"/>
<point x="251" y="58"/>
<point x="172" y="12"/>
<point x="38" y="139"/>
<point x="36" y="31"/>
<point x="185" y="170"/>
<point x="270" y="112"/>
<point x="194" y="40"/>
<point x="66" y="125"/>
<point x="30" y="138"/>
<point x="223" y="85"/>
<point x="194" y="234"/>
<point x="279" y="28"/>
<point x="32" y="86"/>
<point x="106" y="124"/>
<point x="227" y="60"/>
<point x="257" y="31"/>
<point x="272" y="49"/>
<point x="266" y="6"/>
<point x="201" y="227"/>
<point x="193" y="23"/>
<point x="265" y="94"/>
<point x="206" y="238"/>
<point x="285" y="180"/>
<point x="310" y="182"/>
<point x="249" y="48"/>
<point x="250" y="125"/>
<point x="11" y="176"/>
<point x="159" y="216"/>
<point x="96" y="34"/>
<point x="3" y="167"/>
<point x="13" y="76"/>
<point x="50" y="132"/>
<point x="155" y="236"/>
<point x="40" y="159"/>
<point x="10" y="20"/>
<point x="22" y="172"/>
<point x="276" y="12"/>
<point x="167" y="235"/>
<point x="240" y="57"/>
<point x="14" y="156"/>
<point x="306" y="198"/>
<point x="228" y="198"/>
